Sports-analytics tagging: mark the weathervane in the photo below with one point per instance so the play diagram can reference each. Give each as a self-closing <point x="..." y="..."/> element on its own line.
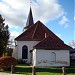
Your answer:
<point x="30" y="2"/>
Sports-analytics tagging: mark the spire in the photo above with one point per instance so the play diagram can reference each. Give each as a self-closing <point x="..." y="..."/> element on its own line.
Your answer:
<point x="29" y="20"/>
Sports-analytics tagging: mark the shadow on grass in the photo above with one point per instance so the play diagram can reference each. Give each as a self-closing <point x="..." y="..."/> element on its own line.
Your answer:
<point x="51" y="70"/>
<point x="20" y="70"/>
<point x="70" y="70"/>
<point x="28" y="70"/>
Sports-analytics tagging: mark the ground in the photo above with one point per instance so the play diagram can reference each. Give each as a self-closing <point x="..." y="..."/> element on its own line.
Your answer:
<point x="27" y="70"/>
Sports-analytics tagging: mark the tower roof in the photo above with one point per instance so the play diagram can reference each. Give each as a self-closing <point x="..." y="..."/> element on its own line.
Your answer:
<point x="29" y="19"/>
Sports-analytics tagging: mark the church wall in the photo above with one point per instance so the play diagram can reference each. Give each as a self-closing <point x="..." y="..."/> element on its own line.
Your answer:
<point x="15" y="53"/>
<point x="45" y="58"/>
<point x="29" y="44"/>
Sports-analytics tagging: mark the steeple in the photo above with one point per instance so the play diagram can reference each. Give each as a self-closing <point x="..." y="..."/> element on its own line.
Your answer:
<point x="29" y="20"/>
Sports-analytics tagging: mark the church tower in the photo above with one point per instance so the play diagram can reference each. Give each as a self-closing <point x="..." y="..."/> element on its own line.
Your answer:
<point x="29" y="20"/>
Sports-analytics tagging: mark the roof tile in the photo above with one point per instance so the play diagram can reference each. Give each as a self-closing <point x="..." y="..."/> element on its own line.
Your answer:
<point x="52" y="44"/>
<point x="36" y="32"/>
<point x="39" y="32"/>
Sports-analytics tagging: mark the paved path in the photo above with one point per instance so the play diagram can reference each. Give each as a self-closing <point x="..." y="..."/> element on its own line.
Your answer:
<point x="1" y="73"/>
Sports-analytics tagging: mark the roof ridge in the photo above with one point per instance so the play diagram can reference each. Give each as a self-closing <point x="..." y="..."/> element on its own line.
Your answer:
<point x="35" y="29"/>
<point x="50" y="32"/>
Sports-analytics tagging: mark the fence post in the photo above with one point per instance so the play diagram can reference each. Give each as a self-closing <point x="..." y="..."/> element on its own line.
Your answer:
<point x="12" y="69"/>
<point x="33" y="70"/>
<point x="63" y="71"/>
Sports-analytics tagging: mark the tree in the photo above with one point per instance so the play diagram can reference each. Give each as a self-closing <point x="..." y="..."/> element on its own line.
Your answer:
<point x="4" y="36"/>
<point x="72" y="44"/>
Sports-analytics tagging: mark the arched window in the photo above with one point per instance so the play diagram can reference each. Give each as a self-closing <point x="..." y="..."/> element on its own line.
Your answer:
<point x="53" y="57"/>
<point x="24" y="52"/>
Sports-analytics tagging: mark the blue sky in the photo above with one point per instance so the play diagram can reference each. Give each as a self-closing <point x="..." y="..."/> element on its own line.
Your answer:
<point x="66" y="33"/>
<point x="57" y="15"/>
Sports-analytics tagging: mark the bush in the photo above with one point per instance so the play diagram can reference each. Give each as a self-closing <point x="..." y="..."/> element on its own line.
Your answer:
<point x="7" y="61"/>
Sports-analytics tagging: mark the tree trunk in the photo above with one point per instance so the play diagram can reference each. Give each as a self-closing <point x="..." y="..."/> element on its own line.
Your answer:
<point x="12" y="69"/>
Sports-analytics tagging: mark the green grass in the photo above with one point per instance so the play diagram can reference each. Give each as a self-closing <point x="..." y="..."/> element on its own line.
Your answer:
<point x="43" y="71"/>
<point x="23" y="69"/>
<point x="27" y="70"/>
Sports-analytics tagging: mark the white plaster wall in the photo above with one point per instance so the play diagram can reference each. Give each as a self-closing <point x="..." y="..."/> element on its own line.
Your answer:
<point x="29" y="44"/>
<point x="14" y="54"/>
<point x="34" y="57"/>
<point x="43" y="58"/>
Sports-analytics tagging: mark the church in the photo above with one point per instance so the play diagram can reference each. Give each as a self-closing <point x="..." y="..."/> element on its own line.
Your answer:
<point x="40" y="46"/>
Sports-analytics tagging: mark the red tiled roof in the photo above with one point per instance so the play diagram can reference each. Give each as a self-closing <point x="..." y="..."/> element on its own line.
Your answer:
<point x="52" y="44"/>
<point x="37" y="33"/>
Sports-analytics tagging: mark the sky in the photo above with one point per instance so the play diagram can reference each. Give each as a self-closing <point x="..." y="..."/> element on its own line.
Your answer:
<point x="57" y="15"/>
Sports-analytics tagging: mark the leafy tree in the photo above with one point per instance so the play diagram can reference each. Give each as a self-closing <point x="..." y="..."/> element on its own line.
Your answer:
<point x="4" y="36"/>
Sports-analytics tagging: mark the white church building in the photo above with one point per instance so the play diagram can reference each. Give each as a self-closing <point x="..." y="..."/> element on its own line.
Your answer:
<point x="40" y="46"/>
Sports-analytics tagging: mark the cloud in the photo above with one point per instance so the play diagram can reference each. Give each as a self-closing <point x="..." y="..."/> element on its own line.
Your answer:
<point x="13" y="35"/>
<point x="74" y="18"/>
<point x="64" y="21"/>
<point x="15" y="12"/>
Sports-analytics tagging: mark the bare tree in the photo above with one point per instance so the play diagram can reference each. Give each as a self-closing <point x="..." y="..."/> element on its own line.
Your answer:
<point x="72" y="43"/>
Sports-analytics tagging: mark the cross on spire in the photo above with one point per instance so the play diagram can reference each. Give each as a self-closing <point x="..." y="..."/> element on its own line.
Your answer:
<point x="30" y="3"/>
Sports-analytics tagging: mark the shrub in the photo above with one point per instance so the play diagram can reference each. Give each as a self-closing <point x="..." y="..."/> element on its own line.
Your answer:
<point x="7" y="61"/>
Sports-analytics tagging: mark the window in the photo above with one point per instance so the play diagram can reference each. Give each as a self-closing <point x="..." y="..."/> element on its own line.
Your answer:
<point x="53" y="57"/>
<point x="24" y="52"/>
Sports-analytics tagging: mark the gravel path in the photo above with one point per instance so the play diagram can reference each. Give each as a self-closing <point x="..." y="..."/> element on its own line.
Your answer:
<point x="1" y="73"/>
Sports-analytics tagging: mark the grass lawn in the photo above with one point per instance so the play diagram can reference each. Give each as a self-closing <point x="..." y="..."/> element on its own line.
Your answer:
<point x="27" y="70"/>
